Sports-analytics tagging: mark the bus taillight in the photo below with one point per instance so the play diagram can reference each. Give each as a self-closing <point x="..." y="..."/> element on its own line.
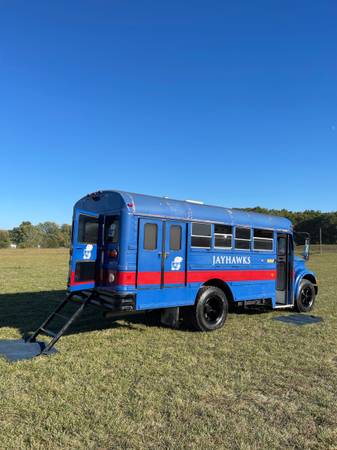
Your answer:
<point x="113" y="254"/>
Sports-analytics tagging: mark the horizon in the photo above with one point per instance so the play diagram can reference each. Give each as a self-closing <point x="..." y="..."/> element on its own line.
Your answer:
<point x="208" y="204"/>
<point x="232" y="104"/>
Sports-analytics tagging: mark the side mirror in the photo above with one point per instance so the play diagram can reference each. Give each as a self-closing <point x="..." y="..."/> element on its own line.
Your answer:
<point x="306" y="252"/>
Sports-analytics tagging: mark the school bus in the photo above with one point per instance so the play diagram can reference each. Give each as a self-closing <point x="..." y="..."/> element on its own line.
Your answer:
<point x="133" y="252"/>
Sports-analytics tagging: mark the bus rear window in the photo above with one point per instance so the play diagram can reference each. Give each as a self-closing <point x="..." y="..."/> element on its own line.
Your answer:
<point x="87" y="229"/>
<point x="112" y="229"/>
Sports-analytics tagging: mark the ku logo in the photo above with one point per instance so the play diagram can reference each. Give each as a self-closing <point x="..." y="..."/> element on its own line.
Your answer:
<point x="87" y="251"/>
<point x="176" y="263"/>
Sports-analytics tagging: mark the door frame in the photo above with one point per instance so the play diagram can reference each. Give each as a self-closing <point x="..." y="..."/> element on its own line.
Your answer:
<point x="288" y="260"/>
<point x="161" y="249"/>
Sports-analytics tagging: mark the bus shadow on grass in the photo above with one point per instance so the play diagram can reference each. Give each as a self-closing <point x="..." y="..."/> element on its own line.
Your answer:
<point x="25" y="311"/>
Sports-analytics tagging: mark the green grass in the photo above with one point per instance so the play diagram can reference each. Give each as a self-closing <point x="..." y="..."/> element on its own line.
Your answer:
<point x="255" y="384"/>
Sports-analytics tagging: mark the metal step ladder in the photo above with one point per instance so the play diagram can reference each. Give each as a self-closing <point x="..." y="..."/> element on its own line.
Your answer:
<point x="83" y="299"/>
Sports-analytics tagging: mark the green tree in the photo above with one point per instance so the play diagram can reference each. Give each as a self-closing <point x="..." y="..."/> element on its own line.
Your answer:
<point x="4" y="239"/>
<point x="26" y="235"/>
<point x="65" y="235"/>
<point x="50" y="234"/>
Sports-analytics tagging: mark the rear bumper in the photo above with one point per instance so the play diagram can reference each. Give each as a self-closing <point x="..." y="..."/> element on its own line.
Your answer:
<point x="113" y="300"/>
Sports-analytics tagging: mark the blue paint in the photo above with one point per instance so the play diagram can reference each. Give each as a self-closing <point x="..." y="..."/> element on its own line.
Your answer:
<point x="161" y="277"/>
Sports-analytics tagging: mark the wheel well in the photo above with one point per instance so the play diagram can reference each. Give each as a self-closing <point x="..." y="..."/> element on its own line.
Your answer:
<point x="223" y="286"/>
<point x="312" y="279"/>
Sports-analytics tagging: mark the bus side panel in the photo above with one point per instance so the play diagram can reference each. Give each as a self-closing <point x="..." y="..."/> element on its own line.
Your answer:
<point x="253" y="290"/>
<point x="166" y="298"/>
<point x="252" y="276"/>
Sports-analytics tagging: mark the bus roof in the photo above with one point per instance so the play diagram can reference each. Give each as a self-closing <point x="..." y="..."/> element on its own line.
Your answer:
<point x="151" y="206"/>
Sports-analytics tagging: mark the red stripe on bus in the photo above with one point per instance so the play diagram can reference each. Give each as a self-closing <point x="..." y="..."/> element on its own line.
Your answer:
<point x="174" y="277"/>
<point x="149" y="278"/>
<point x="231" y="275"/>
<point x="126" y="278"/>
<point x="194" y="276"/>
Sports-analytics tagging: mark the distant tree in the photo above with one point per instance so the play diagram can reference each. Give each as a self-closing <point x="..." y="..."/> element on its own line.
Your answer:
<point x="310" y="221"/>
<point x="4" y="239"/>
<point x="65" y="235"/>
<point x="50" y="234"/>
<point x="26" y="235"/>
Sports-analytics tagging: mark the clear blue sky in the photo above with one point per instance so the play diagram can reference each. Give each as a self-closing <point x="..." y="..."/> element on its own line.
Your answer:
<point x="233" y="103"/>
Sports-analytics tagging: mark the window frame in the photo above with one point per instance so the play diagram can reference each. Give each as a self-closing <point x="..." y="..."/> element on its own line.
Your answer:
<point x="216" y="247"/>
<point x="264" y="239"/>
<point x="210" y="237"/>
<point x="241" y="239"/>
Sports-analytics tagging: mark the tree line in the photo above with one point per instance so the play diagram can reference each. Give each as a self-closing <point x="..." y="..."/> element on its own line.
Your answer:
<point x="52" y="235"/>
<point x="309" y="221"/>
<point x="44" y="235"/>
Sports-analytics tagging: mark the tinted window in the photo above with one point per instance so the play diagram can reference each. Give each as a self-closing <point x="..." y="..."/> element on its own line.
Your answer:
<point x="175" y="237"/>
<point x="200" y="241"/>
<point x="222" y="236"/>
<point x="87" y="229"/>
<point x="222" y="241"/>
<point x="85" y="271"/>
<point x="263" y="244"/>
<point x="201" y="229"/>
<point x="263" y="239"/>
<point x="282" y="246"/>
<point x="112" y="229"/>
<point x="222" y="229"/>
<point x="242" y="238"/>
<point x="201" y="235"/>
<point x="242" y="233"/>
<point x="150" y="236"/>
<point x="260" y="233"/>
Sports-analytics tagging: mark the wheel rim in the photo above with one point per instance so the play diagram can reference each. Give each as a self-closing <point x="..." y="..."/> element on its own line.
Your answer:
<point x="213" y="310"/>
<point x="307" y="296"/>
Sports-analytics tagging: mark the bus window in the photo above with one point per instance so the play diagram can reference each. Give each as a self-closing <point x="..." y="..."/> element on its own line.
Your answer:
<point x="223" y="236"/>
<point x="112" y="229"/>
<point x="201" y="235"/>
<point x="150" y="236"/>
<point x="87" y="229"/>
<point x="263" y="239"/>
<point x="242" y="238"/>
<point x="175" y="237"/>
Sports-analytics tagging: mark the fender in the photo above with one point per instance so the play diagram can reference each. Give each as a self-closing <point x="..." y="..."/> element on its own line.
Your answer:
<point x="301" y="273"/>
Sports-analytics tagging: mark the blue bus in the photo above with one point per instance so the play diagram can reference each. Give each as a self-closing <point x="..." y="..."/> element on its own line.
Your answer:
<point x="135" y="252"/>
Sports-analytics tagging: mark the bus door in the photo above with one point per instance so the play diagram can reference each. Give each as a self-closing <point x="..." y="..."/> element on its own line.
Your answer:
<point x="84" y="250"/>
<point x="150" y="252"/>
<point x="282" y="269"/>
<point x="161" y="254"/>
<point x="175" y="254"/>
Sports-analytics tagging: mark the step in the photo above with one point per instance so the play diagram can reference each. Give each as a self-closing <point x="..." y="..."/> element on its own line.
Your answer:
<point x="62" y="316"/>
<point x="48" y="332"/>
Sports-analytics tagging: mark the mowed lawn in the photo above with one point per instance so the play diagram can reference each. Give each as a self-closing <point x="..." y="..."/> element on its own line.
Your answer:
<point x="255" y="384"/>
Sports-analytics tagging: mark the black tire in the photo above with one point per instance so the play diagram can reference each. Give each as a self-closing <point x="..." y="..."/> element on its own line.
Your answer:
<point x="210" y="310"/>
<point x="306" y="297"/>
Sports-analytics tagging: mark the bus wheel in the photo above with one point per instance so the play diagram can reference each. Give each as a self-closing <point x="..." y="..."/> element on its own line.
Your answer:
<point x="306" y="297"/>
<point x="210" y="310"/>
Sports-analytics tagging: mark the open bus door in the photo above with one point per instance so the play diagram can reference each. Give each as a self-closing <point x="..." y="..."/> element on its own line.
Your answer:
<point x="284" y="269"/>
<point x="84" y="250"/>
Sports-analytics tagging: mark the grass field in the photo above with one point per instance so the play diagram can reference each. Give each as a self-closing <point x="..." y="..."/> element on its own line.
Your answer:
<point x="255" y="384"/>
